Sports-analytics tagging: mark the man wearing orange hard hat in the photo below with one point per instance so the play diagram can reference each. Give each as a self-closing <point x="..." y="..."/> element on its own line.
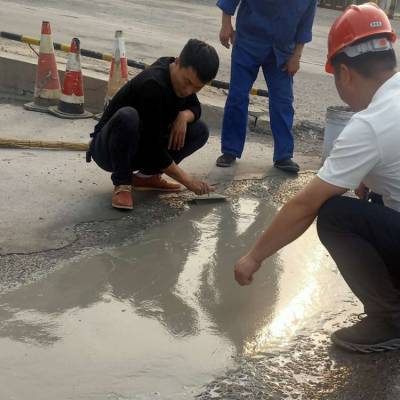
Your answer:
<point x="362" y="237"/>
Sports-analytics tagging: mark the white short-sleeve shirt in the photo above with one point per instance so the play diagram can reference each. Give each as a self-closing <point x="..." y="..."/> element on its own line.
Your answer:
<point x="368" y="148"/>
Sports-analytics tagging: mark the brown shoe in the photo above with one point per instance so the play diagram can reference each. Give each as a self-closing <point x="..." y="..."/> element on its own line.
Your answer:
<point x="154" y="182"/>
<point x="122" y="197"/>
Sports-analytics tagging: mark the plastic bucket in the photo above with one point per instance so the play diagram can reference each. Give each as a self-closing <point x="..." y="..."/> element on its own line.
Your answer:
<point x="336" y="119"/>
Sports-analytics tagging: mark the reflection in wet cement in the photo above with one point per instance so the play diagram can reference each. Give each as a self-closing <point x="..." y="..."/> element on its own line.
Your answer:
<point x="161" y="317"/>
<point x="290" y="312"/>
<point x="246" y="213"/>
<point x="188" y="286"/>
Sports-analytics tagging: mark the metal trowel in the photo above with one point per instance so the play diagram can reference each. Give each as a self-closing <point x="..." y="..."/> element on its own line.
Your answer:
<point x="208" y="198"/>
<point x="220" y="178"/>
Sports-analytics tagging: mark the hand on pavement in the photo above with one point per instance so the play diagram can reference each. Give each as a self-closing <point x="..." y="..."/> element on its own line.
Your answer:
<point x="244" y="270"/>
<point x="199" y="187"/>
<point x="178" y="133"/>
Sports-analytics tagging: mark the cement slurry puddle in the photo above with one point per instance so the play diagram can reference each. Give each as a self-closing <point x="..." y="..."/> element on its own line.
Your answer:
<point x="162" y="317"/>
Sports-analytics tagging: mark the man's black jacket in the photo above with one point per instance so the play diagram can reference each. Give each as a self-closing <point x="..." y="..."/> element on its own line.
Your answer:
<point x="151" y="94"/>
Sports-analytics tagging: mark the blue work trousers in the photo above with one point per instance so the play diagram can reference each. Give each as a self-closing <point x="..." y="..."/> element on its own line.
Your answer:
<point x="244" y="70"/>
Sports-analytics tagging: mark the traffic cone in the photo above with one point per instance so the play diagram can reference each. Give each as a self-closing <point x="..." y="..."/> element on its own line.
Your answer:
<point x="119" y="68"/>
<point x="72" y="99"/>
<point x="47" y="84"/>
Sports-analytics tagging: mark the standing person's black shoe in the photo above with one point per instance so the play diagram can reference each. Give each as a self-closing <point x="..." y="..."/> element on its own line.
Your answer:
<point x="369" y="335"/>
<point x="226" y="160"/>
<point x="287" y="165"/>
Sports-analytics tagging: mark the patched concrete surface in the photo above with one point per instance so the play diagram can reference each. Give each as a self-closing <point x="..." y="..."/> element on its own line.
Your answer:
<point x="163" y="317"/>
<point x="159" y="316"/>
<point x="52" y="191"/>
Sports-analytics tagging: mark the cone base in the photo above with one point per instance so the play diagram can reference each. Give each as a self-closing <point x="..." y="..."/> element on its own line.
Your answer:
<point x="98" y="116"/>
<point x="55" y="111"/>
<point x="32" y="106"/>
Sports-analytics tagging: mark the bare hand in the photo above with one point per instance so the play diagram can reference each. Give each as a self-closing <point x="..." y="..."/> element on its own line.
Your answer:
<point x="227" y="35"/>
<point x="362" y="191"/>
<point x="199" y="187"/>
<point x="293" y="65"/>
<point x="244" y="270"/>
<point x="178" y="133"/>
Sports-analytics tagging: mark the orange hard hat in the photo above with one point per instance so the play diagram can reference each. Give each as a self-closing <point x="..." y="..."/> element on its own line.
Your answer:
<point x="357" y="23"/>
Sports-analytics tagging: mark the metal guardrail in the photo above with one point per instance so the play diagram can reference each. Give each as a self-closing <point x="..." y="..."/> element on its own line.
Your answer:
<point x="108" y="57"/>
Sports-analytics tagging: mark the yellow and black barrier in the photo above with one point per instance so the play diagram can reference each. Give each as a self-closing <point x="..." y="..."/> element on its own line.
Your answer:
<point x="108" y="57"/>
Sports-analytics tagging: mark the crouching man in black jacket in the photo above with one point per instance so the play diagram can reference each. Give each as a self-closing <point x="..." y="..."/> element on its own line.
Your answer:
<point x="153" y="123"/>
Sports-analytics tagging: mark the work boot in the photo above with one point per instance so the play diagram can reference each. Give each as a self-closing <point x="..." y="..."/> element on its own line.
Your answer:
<point x="122" y="197"/>
<point x="369" y="335"/>
<point x="287" y="165"/>
<point x="226" y="160"/>
<point x="154" y="182"/>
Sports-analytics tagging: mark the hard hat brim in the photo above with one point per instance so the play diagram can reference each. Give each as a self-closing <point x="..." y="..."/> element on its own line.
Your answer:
<point x="329" y="68"/>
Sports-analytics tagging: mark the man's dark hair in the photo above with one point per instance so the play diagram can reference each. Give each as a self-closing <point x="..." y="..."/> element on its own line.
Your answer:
<point x="369" y="65"/>
<point x="201" y="57"/>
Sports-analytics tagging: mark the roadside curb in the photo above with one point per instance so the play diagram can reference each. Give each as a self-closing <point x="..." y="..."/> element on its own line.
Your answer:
<point x="17" y="77"/>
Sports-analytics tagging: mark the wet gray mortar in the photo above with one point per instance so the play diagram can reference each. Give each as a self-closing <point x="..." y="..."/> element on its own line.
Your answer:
<point x="325" y="372"/>
<point x="22" y="268"/>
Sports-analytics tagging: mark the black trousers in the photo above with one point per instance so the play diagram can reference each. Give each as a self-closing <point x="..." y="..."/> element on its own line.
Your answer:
<point x="364" y="240"/>
<point x="115" y="148"/>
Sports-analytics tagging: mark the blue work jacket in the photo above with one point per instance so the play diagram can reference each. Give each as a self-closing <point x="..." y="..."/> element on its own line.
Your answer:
<point x="281" y="24"/>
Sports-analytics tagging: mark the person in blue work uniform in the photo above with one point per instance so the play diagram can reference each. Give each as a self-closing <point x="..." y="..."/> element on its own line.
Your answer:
<point x="269" y="35"/>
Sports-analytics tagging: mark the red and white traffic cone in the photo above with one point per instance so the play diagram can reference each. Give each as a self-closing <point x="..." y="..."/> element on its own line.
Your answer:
<point x="72" y="98"/>
<point x="119" y="68"/>
<point x="47" y="84"/>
